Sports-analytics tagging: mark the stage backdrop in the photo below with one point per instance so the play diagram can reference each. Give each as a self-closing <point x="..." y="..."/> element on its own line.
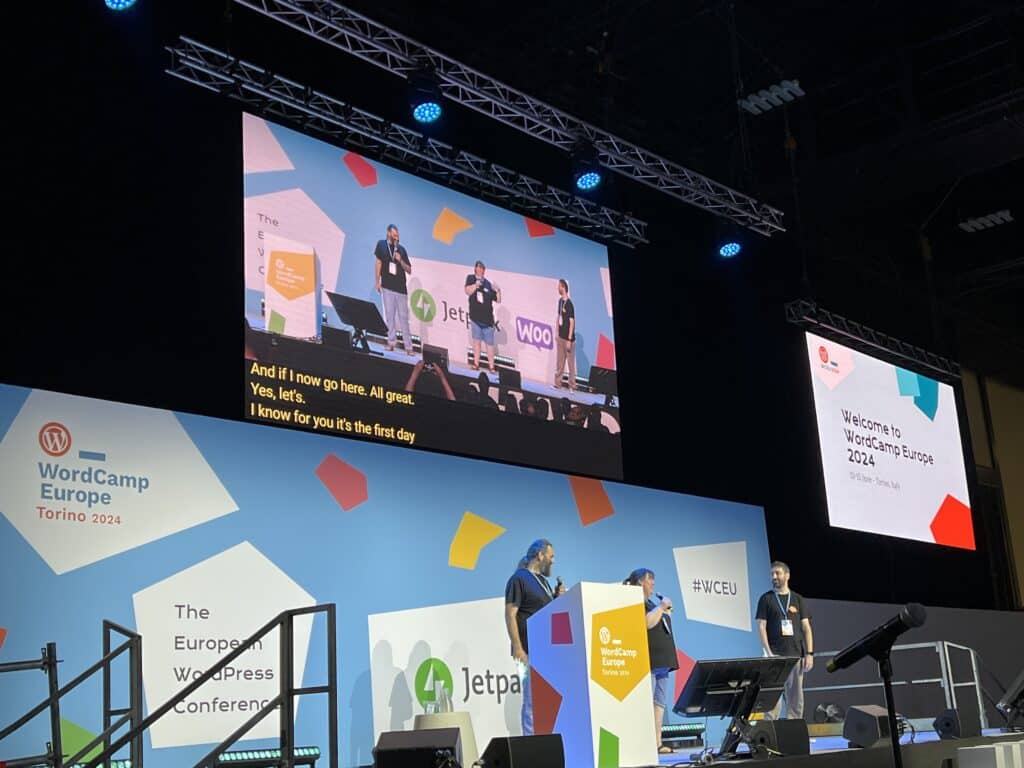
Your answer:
<point x="196" y="531"/>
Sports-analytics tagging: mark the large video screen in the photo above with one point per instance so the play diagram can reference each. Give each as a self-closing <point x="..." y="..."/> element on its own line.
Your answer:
<point x="382" y="306"/>
<point x="891" y="448"/>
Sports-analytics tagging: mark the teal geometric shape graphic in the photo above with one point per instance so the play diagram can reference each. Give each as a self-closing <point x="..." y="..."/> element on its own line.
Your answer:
<point x="607" y="750"/>
<point x="907" y="382"/>
<point x="925" y="391"/>
<point x="928" y="400"/>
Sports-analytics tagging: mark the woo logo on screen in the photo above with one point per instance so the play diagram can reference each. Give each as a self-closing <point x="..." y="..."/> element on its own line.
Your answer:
<point x="534" y="333"/>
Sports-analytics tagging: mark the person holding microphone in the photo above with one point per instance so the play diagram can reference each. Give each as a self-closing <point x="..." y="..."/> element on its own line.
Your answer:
<point x="483" y="295"/>
<point x="661" y="644"/>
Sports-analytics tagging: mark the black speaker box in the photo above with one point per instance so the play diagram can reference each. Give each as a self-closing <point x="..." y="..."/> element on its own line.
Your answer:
<point x="416" y="749"/>
<point x="866" y="725"/>
<point x="785" y="737"/>
<point x="525" y="752"/>
<point x="948" y="726"/>
<point x="336" y="338"/>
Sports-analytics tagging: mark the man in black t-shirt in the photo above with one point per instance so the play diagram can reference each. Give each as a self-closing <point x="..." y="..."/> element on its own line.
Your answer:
<point x="784" y="623"/>
<point x="566" y="349"/>
<point x="527" y="591"/>
<point x="392" y="265"/>
<point x="483" y="295"/>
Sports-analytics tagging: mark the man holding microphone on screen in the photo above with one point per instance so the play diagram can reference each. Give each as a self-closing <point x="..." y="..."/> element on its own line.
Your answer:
<point x="483" y="295"/>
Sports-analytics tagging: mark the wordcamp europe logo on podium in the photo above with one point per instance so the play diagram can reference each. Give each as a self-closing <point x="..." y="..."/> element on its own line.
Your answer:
<point x="714" y="584"/>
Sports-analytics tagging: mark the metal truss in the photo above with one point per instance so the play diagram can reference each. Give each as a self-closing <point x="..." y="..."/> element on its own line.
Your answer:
<point x="274" y="96"/>
<point x="809" y="315"/>
<point x="360" y="36"/>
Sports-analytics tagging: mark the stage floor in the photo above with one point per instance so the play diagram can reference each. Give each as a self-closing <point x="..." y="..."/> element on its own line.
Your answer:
<point x="819" y="745"/>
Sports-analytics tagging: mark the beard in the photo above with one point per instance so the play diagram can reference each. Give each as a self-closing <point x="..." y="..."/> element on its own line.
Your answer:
<point x="545" y="569"/>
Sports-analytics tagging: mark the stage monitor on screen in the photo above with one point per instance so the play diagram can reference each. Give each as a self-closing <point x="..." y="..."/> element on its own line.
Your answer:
<point x="359" y="278"/>
<point x="891" y="448"/>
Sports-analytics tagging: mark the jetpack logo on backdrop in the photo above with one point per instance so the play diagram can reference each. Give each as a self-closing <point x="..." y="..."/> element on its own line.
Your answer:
<point x="82" y="480"/>
<point x="714" y="585"/>
<point x="461" y="648"/>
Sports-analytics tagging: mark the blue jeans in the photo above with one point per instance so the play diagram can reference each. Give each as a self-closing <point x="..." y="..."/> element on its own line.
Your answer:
<point x="527" y="716"/>
<point x="396" y="315"/>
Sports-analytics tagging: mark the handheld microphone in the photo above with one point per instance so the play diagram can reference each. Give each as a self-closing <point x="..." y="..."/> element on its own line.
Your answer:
<point x="558" y="584"/>
<point x="880" y="640"/>
<point x="661" y="597"/>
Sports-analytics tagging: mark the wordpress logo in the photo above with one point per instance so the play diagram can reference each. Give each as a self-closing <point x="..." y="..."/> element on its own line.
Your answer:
<point x="428" y="675"/>
<point x="54" y="438"/>
<point x="535" y="333"/>
<point x="423" y="305"/>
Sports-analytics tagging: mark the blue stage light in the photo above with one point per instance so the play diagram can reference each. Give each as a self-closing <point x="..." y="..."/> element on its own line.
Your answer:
<point x="119" y="5"/>
<point x="729" y="250"/>
<point x="587" y="181"/>
<point x="426" y="112"/>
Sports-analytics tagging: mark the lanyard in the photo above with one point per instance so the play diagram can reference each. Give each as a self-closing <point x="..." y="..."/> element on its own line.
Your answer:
<point x="785" y="611"/>
<point x="544" y="585"/>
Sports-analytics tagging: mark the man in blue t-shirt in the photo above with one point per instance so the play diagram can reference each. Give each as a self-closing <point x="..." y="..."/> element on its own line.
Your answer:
<point x="483" y="295"/>
<point x="527" y="591"/>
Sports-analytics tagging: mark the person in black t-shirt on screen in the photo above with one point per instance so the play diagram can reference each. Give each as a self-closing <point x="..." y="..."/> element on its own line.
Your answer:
<point x="566" y="351"/>
<point x="784" y="623"/>
<point x="527" y="591"/>
<point x="483" y="295"/>
<point x="392" y="265"/>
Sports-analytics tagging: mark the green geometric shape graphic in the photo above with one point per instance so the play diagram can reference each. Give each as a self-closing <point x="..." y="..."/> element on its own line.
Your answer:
<point x="73" y="737"/>
<point x="423" y="305"/>
<point x="276" y="324"/>
<point x="607" y="750"/>
<point x="431" y="672"/>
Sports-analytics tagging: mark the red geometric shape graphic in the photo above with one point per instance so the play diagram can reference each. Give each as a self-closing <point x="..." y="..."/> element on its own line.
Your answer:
<point x="546" y="703"/>
<point x="686" y="665"/>
<point x="592" y="500"/>
<point x="536" y="228"/>
<point x="343" y="481"/>
<point x="3" y="636"/>
<point x="605" y="352"/>
<point x="561" y="632"/>
<point x="357" y="165"/>
<point x="952" y="524"/>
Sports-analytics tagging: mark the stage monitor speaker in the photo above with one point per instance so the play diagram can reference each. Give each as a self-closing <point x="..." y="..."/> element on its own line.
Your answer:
<point x="427" y="748"/>
<point x="866" y="725"/>
<point x="949" y="726"/>
<point x="336" y="338"/>
<point x="525" y="752"/>
<point x="783" y="737"/>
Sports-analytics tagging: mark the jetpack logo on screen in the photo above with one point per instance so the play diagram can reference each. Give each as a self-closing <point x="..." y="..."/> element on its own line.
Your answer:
<point x="714" y="584"/>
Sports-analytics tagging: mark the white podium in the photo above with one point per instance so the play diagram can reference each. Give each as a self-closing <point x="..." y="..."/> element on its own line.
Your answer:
<point x="590" y="676"/>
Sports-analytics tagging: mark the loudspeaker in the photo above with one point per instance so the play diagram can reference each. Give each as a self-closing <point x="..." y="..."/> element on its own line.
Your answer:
<point x="866" y="726"/>
<point x="948" y="726"/>
<point x="429" y="748"/>
<point x="525" y="752"/>
<point x="786" y="737"/>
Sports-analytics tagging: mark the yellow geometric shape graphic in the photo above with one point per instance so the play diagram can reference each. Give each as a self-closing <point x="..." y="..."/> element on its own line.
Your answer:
<point x="448" y="225"/>
<point x="291" y="274"/>
<point x="473" y="535"/>
<point x="619" y="660"/>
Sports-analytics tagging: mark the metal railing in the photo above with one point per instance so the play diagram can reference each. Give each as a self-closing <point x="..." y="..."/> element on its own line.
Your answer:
<point x="945" y="678"/>
<point x="132" y="714"/>
<point x="284" y="701"/>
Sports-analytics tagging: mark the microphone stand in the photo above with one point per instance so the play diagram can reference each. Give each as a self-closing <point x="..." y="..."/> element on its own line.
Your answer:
<point x="885" y="670"/>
